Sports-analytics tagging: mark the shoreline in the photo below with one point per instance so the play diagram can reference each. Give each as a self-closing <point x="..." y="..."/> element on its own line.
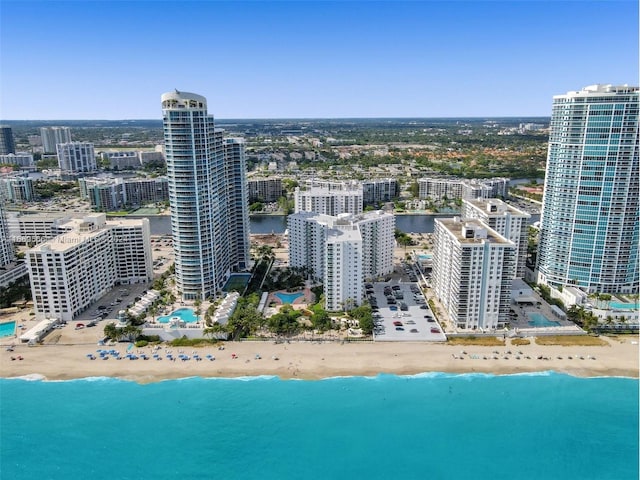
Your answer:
<point x="316" y="361"/>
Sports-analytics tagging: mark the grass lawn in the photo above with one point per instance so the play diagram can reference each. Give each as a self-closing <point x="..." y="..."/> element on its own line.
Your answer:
<point x="571" y="340"/>
<point x="520" y="341"/>
<point x="482" y="341"/>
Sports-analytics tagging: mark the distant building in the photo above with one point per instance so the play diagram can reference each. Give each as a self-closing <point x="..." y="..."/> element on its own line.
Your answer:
<point x="329" y="201"/>
<point x="52" y="136"/>
<point x="7" y="142"/>
<point x="11" y="270"/>
<point x="264" y="189"/>
<point x="589" y="232"/>
<point x="34" y="228"/>
<point x="113" y="193"/>
<point x="148" y="157"/>
<point x="473" y="268"/>
<point x="379" y="190"/>
<point x="16" y="188"/>
<point x="456" y="188"/>
<point x="120" y="160"/>
<point x="76" y="157"/>
<point x="508" y="221"/>
<point x="22" y="159"/>
<point x="75" y="269"/>
<point x="342" y="251"/>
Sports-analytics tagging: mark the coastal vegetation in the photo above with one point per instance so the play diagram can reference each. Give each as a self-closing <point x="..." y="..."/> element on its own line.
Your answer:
<point x="571" y="340"/>
<point x="478" y="341"/>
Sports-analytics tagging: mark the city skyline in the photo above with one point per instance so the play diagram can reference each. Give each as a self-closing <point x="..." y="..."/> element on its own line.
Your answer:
<point x="309" y="59"/>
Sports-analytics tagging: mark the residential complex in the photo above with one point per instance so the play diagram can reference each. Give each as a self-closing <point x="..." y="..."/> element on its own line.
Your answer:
<point x="22" y="159"/>
<point x="76" y="157"/>
<point x="76" y="268"/>
<point x="452" y="188"/>
<point x="473" y="268"/>
<point x="508" y="221"/>
<point x="206" y="180"/>
<point x="34" y="228"/>
<point x="589" y="227"/>
<point x="342" y="251"/>
<point x="16" y="188"/>
<point x="265" y="189"/>
<point x="52" y="136"/>
<point x="11" y="270"/>
<point x="379" y="190"/>
<point x="328" y="200"/>
<point x="114" y="193"/>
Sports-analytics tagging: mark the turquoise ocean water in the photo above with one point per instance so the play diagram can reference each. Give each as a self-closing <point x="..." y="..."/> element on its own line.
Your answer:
<point x="431" y="426"/>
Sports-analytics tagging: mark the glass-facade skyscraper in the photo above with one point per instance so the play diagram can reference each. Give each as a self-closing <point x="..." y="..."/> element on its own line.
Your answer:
<point x="589" y="227"/>
<point x="210" y="229"/>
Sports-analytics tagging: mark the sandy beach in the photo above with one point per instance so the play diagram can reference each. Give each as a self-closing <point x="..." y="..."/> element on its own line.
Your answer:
<point x="313" y="360"/>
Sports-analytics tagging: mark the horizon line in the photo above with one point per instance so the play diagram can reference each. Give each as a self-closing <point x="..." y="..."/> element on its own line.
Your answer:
<point x="274" y="118"/>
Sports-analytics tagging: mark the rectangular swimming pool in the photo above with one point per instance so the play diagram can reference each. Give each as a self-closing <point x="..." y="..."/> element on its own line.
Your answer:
<point x="539" y="320"/>
<point x="7" y="329"/>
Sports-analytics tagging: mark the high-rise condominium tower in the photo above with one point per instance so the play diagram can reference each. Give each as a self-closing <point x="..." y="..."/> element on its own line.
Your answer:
<point x="589" y="229"/>
<point x="51" y="136"/>
<point x="7" y="143"/>
<point x="207" y="185"/>
<point x="6" y="246"/>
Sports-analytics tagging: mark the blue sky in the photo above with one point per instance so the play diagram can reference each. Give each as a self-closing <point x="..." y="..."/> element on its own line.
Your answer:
<point x="309" y="59"/>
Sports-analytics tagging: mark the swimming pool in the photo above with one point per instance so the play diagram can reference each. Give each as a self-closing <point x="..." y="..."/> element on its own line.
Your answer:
<point x="539" y="320"/>
<point x="624" y="306"/>
<point x="237" y="281"/>
<point x="7" y="329"/>
<point x="288" y="297"/>
<point x="425" y="256"/>
<point x="187" y="315"/>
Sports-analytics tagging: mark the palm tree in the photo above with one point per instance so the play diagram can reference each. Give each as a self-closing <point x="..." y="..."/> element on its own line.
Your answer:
<point x="112" y="332"/>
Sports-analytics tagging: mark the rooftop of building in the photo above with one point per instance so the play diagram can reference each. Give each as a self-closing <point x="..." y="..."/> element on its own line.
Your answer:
<point x="495" y="206"/>
<point x="600" y="89"/>
<point x="84" y="229"/>
<point x="472" y="231"/>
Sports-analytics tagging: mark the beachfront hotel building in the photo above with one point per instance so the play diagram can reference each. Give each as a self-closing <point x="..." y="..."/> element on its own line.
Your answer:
<point x="589" y="226"/>
<point x="75" y="269"/>
<point x="342" y="251"/>
<point x="508" y="221"/>
<point x="206" y="181"/>
<point x="76" y="157"/>
<point x="473" y="269"/>
<point x="52" y="136"/>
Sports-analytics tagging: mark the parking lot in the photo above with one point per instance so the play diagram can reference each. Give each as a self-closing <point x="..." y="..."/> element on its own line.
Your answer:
<point x="401" y="313"/>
